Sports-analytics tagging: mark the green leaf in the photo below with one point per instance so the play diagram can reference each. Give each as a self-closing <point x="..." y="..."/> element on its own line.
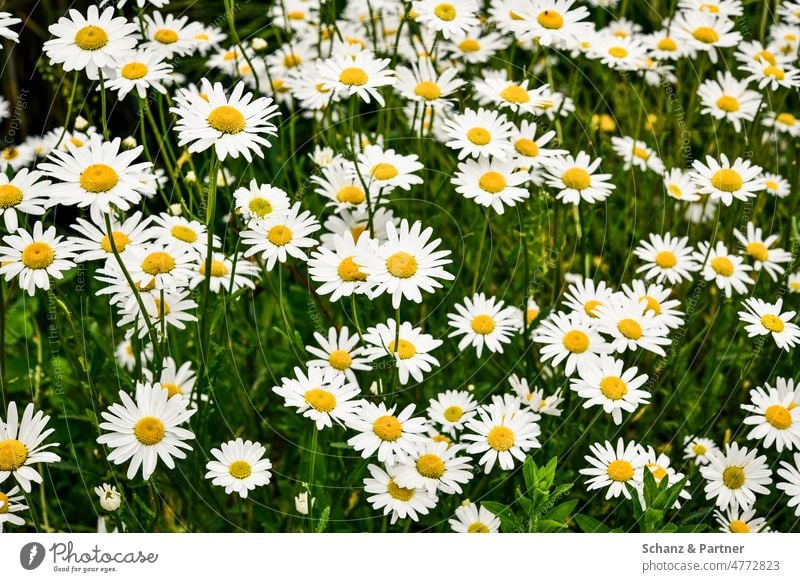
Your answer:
<point x="323" y="519"/>
<point x="590" y="524"/>
<point x="509" y="521"/>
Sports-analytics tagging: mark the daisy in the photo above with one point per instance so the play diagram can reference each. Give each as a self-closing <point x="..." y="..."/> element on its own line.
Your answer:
<point x="576" y="180"/>
<point x="793" y="283"/>
<point x="775" y="185"/>
<point x="472" y="518"/>
<point x="448" y="18"/>
<point x="666" y="258"/>
<point x="234" y="126"/>
<point x="586" y="296"/>
<point x="356" y="222"/>
<point x="775" y="417"/>
<point x="728" y="271"/>
<point x="783" y="123"/>
<point x="726" y="181"/>
<point x="126" y="357"/>
<point x="613" y="468"/>
<point x="147" y="429"/>
<point x="361" y="75"/>
<point x="95" y="244"/>
<point x="336" y="269"/>
<point x="679" y="185"/>
<point x="411" y="352"/>
<point x="572" y="337"/>
<point x="475" y="46"/>
<point x="729" y="99"/>
<point x="11" y="500"/>
<point x="659" y="466"/>
<point x="239" y="466"/>
<point x="138" y="72"/>
<point x="406" y="264"/>
<point x="529" y="151"/>
<point x="159" y="265"/>
<point x="508" y="94"/>
<point x="323" y="395"/>
<point x="90" y="43"/>
<point x="491" y="183"/>
<point x="758" y="248"/>
<point x="25" y="192"/>
<point x="631" y="325"/>
<point x="339" y="352"/>
<point x="791" y="483"/>
<point x="170" y="36"/>
<point x="22" y="445"/>
<point x="280" y="236"/>
<point x="706" y="32"/>
<point x="229" y="274"/>
<point x="483" y="321"/>
<point x="6" y="22"/>
<point x="735" y="477"/>
<point x="340" y="184"/>
<point x="167" y="309"/>
<point x="619" y="53"/>
<point x="772" y="75"/>
<point x="479" y="133"/>
<point x="35" y="257"/>
<point x="386" y="169"/>
<point x="535" y="398"/>
<point x="452" y="409"/>
<point x="182" y="233"/>
<point x="435" y="466"/>
<point x="393" y="437"/>
<point x="737" y="521"/>
<point x="400" y="502"/>
<point x="606" y="383"/>
<point x="551" y="22"/>
<point x="656" y="298"/>
<point x="422" y="84"/>
<point x="766" y="319"/>
<point x="664" y="45"/>
<point x="637" y="153"/>
<point x="699" y="449"/>
<point x="175" y="380"/>
<point x="110" y="498"/>
<point x="501" y="437"/>
<point x="258" y="202"/>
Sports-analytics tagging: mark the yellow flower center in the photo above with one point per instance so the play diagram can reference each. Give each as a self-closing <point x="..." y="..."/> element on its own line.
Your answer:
<point x="402" y="265"/>
<point x="642" y="153"/>
<point x="5" y="503"/>
<point x="618" y="52"/>
<point x="767" y="56"/>
<point x="613" y="387"/>
<point x="479" y="136"/>
<point x="469" y="45"/>
<point x="500" y="438"/>
<point x="162" y="309"/>
<point x="706" y="34"/>
<point x="620" y="470"/>
<point x="280" y="235"/>
<point x="387" y="428"/>
<point x="351" y="195"/>
<point x="10" y="195"/>
<point x="340" y="359"/>
<point x="658" y="471"/>
<point x="399" y="493"/>
<point x="172" y="389"/>
<point x="773" y="323"/>
<point x="786" y="119"/>
<point x="483" y="324"/>
<point x="757" y="250"/>
<point x="652" y="303"/>
<point x="357" y="231"/>
<point x="218" y="268"/>
<point x="722" y="266"/>
<point x="515" y="94"/>
<point x="478" y="527"/>
<point x="772" y="185"/>
<point x="591" y="306"/>
<point x="405" y="351"/>
<point x="349" y="271"/>
<point x="10" y="153"/>
<point x="733" y="477"/>
<point x="576" y="178"/>
<point x="133" y="71"/>
<point x="666" y="259"/>
<point x="98" y="178"/>
<point x="430" y="466"/>
<point x="149" y="430"/>
<point x="453" y="413"/>
<point x="428" y="90"/>
<point x="778" y="416"/>
<point x="38" y="255"/>
<point x="667" y="44"/>
<point x="240" y="469"/>
<point x="226" y="119"/>
<point x="445" y="11"/>
<point x="384" y="171"/>
<point x="13" y="455"/>
<point x="775" y="72"/>
<point x="727" y="180"/>
<point x="710" y="8"/>
<point x="184" y="233"/>
<point x="738" y="526"/>
<point x="531" y="315"/>
<point x="675" y="191"/>
<point x="320" y="400"/>
<point x="259" y="207"/>
<point x="492" y="182"/>
<point x="91" y="38"/>
<point x="166" y="36"/>
<point x="158" y="263"/>
<point x="630" y="328"/>
<point x="728" y="103"/>
<point x="576" y="341"/>
<point x="526" y="147"/>
<point x="354" y="76"/>
<point x="291" y="61"/>
<point x="699" y="449"/>
<point x="121" y="241"/>
<point x="201" y="36"/>
<point x="550" y="19"/>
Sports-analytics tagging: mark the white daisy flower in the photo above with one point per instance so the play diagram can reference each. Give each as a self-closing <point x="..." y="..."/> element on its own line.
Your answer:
<point x="259" y="201"/>
<point x="322" y="394"/>
<point x="400" y="502"/>
<point x="706" y="32"/>
<point x="159" y="265"/>
<point x="535" y="398"/>
<point x="529" y="151"/>
<point x="576" y="180"/>
<point x="656" y="299"/>
<point x="239" y="466"/>
<point x="169" y="35"/>
<point x="491" y="183"/>
<point x="450" y="18"/>
<point x="551" y="22"/>
<point x="479" y="133"/>
<point x="613" y="468"/>
<point x="475" y="46"/>
<point x="411" y="352"/>
<point x="502" y="437"/>
<point x="768" y="319"/>
<point x="637" y="153"/>
<point x="139" y="71"/>
<point x="452" y="409"/>
<point x="666" y="258"/>
<point x="772" y="75"/>
<point x="393" y="437"/>
<point x="727" y="181"/>
<point x="606" y="383"/>
<point x="336" y="269"/>
<point x="618" y="53"/>
<point x="339" y="352"/>
<point x="775" y="185"/>
<point x="280" y="236"/>
<point x="36" y="257"/>
<point x="384" y="169"/>
<point x="25" y="192"/>
<point x="361" y="75"/>
<point x="699" y="449"/>
<point x="11" y="500"/>
<point x="483" y="322"/>
<point x="736" y="521"/>
<point x="679" y="185"/>
<point x="340" y="184"/>
<point x="356" y="222"/>
<point x="758" y="248"/>
<point x="422" y="84"/>
<point x="22" y="445"/>
<point x="437" y="467"/>
<point x="782" y="123"/>
<point x="775" y="418"/>
<point x="586" y="296"/>
<point x="175" y="380"/>
<point x="173" y="309"/>
<point x="729" y="99"/>
<point x="733" y="478"/>
<point x="508" y="94"/>
<point x="791" y="482"/>
<point x="471" y="518"/>
<point x="572" y="337"/>
<point x="6" y="22"/>
<point x="95" y="244"/>
<point x="229" y="274"/>
<point x="110" y="498"/>
<point x="631" y="325"/>
<point x="728" y="271"/>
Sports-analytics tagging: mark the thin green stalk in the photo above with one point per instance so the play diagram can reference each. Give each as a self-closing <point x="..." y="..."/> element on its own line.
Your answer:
<point x="104" y="116"/>
<point x="484" y="232"/>
<point x="69" y="109"/>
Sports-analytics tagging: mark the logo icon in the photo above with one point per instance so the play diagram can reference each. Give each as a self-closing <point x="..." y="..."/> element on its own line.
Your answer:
<point x="31" y="555"/>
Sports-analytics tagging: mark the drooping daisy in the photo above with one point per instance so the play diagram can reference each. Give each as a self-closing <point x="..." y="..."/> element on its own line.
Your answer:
<point x="736" y="521"/>
<point x="406" y="264"/>
<point x="501" y="437"/>
<point x="411" y="352"/>
<point x="321" y="394"/>
<point x="491" y="183"/>
<point x="728" y="271"/>
<point x="25" y="192"/>
<point x="361" y="75"/>
<point x="729" y="99"/>
<point x="399" y="502"/>
<point x="699" y="449"/>
<point x="613" y="468"/>
<point x="551" y="22"/>
<point x="385" y="169"/>
<point x="727" y="181"/>
<point x="90" y="43"/>
<point x="637" y="153"/>
<point x="534" y="398"/>
<point x="483" y="322"/>
<point x="608" y="384"/>
<point x="452" y="409"/>
<point x="472" y="518"/>
<point x="435" y="466"/>
<point x="630" y="325"/>
<point x="791" y="483"/>
<point x="758" y="248"/>
<point x="576" y="180"/>
<point x="280" y="236"/>
<point x="35" y="257"/>
<point x="733" y="478"/>
<point x="146" y="430"/>
<point x="775" y="418"/>
<point x="679" y="185"/>
<point x="340" y="352"/>
<point x="449" y="18"/>
<point x="393" y="437"/>
<point x="234" y="126"/>
<point x="22" y="445"/>
<point x="479" y="133"/>
<point x="239" y="466"/>
<point x="667" y="258"/>
<point x="572" y="337"/>
<point x="768" y="319"/>
<point x="138" y="72"/>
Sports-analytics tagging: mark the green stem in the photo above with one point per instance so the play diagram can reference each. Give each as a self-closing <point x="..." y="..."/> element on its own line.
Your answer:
<point x="104" y="116"/>
<point x="69" y="110"/>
